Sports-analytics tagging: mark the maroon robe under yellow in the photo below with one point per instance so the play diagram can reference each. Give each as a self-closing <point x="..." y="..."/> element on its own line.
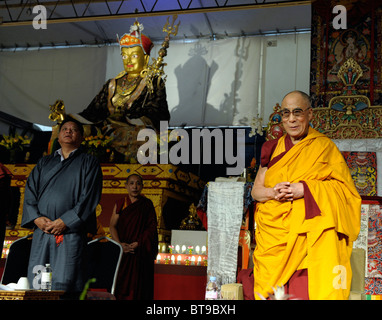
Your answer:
<point x="137" y="222"/>
<point x="314" y="233"/>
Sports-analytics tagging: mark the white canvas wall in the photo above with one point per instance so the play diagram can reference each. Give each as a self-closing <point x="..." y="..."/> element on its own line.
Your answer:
<point x="30" y="81"/>
<point x="222" y="82"/>
<point x="286" y="68"/>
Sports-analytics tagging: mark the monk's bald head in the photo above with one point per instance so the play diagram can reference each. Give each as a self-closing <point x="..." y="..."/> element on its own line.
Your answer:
<point x="299" y="94"/>
<point x="137" y="176"/>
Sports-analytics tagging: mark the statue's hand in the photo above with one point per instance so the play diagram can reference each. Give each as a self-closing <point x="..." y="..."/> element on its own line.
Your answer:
<point x="57" y="111"/>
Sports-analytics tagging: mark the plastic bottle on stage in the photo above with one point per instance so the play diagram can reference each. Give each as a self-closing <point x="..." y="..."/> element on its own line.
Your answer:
<point x="46" y="278"/>
<point x="212" y="289"/>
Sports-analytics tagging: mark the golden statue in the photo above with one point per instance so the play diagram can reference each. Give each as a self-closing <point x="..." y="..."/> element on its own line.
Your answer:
<point x="134" y="99"/>
<point x="192" y="221"/>
<point x="57" y="111"/>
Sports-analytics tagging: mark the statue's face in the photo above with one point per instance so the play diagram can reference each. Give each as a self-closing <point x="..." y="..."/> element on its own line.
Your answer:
<point x="134" y="60"/>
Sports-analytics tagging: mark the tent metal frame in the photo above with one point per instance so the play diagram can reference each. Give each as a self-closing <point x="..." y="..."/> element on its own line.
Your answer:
<point x="11" y="11"/>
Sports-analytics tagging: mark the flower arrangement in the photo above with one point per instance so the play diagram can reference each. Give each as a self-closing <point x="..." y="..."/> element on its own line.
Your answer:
<point x="97" y="142"/>
<point x="99" y="146"/>
<point x="16" y="142"/>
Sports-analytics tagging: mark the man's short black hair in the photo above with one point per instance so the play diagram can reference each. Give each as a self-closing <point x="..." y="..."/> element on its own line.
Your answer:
<point x="79" y="124"/>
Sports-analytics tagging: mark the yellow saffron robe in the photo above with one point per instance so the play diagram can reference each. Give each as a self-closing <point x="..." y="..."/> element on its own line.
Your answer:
<point x="286" y="241"/>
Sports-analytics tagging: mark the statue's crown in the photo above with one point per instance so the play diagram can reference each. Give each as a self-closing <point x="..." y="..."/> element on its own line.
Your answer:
<point x="136" y="38"/>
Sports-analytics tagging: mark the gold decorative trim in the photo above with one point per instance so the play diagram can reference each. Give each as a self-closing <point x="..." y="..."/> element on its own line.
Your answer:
<point x="348" y="124"/>
<point x="354" y="68"/>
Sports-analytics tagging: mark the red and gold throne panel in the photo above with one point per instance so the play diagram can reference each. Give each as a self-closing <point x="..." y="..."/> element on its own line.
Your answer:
<point x="169" y="188"/>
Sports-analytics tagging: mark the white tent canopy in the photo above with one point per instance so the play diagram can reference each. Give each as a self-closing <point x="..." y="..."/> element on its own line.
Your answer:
<point x="220" y="71"/>
<point x="209" y="83"/>
<point x="74" y="22"/>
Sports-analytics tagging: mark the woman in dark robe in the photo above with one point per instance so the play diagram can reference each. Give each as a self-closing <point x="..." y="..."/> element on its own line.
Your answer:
<point x="134" y="225"/>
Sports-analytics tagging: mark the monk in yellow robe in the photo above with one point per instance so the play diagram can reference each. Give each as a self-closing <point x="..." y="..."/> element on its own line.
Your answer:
<point x="307" y="212"/>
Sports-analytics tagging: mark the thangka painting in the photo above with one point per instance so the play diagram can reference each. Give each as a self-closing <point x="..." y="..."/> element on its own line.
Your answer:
<point x="373" y="281"/>
<point x="375" y="242"/>
<point x="331" y="48"/>
<point x="370" y="239"/>
<point x="363" y="169"/>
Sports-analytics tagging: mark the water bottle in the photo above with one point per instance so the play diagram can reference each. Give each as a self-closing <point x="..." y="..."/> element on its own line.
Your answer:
<point x="212" y="289"/>
<point x="46" y="278"/>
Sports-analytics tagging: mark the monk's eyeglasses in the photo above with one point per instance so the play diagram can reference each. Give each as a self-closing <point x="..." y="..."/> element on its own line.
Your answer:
<point x="298" y="112"/>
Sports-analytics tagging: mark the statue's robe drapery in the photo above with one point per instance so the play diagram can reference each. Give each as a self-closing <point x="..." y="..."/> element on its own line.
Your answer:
<point x="315" y="232"/>
<point x="143" y="109"/>
<point x="70" y="190"/>
<point x="137" y="222"/>
<point x="145" y="104"/>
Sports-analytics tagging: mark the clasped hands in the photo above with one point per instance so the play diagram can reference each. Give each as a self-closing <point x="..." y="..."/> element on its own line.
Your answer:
<point x="55" y="227"/>
<point x="129" y="247"/>
<point x="286" y="191"/>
